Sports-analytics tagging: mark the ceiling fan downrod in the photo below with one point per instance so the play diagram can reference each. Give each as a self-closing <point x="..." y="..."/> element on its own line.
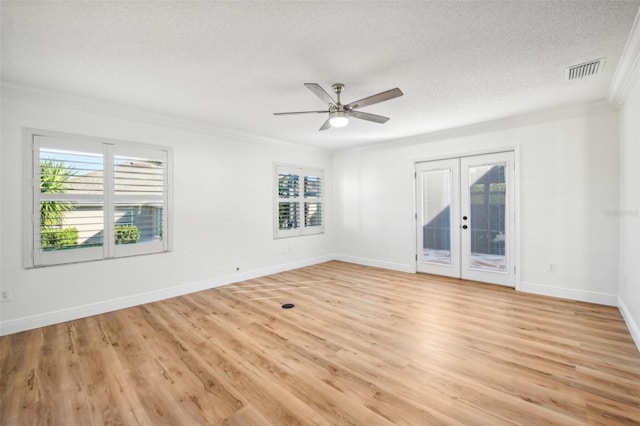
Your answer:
<point x="337" y="89"/>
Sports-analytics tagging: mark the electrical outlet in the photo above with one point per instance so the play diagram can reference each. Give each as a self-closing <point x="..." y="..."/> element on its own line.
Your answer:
<point x="6" y="294"/>
<point x="553" y="267"/>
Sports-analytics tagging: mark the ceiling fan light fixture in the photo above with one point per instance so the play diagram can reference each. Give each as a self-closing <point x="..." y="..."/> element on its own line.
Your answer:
<point x="338" y="119"/>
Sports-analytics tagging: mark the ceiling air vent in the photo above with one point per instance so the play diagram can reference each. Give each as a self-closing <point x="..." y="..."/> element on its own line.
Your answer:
<point x="578" y="72"/>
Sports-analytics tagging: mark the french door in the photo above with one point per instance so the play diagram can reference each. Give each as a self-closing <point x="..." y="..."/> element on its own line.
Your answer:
<point x="465" y="218"/>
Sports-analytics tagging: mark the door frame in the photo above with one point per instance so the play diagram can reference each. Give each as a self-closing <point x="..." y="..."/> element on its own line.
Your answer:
<point x="516" y="202"/>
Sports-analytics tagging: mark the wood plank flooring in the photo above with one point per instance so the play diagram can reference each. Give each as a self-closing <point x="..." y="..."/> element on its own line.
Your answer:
<point x="362" y="346"/>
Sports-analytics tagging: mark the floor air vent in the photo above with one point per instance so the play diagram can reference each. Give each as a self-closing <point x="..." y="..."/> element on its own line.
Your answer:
<point x="578" y="72"/>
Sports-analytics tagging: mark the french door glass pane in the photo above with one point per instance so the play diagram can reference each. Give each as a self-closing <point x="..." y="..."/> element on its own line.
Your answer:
<point x="436" y="220"/>
<point x="487" y="216"/>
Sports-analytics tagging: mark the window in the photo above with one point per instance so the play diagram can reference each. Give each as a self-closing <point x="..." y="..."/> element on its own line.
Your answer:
<point x="95" y="199"/>
<point x="298" y="206"/>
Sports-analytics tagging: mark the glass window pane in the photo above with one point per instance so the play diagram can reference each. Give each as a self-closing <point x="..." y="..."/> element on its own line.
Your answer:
<point x="67" y="222"/>
<point x="488" y="191"/>
<point x="138" y="177"/>
<point x="63" y="172"/>
<point x="288" y="186"/>
<point x="288" y="215"/>
<point x="138" y="223"/>
<point x="312" y="186"/>
<point x="139" y="193"/>
<point x="436" y="220"/>
<point x="66" y="225"/>
<point x="312" y="214"/>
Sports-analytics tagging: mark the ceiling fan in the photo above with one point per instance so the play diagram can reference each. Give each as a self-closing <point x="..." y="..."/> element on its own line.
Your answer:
<point x="339" y="114"/>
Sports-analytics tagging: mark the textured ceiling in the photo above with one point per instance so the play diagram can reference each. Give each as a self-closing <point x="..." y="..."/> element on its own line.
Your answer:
<point x="232" y="64"/>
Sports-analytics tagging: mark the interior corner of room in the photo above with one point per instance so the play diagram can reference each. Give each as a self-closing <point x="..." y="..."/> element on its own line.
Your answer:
<point x="488" y="116"/>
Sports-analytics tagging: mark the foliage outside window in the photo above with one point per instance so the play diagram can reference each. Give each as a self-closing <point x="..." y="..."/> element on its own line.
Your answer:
<point x="127" y="234"/>
<point x="298" y="206"/>
<point x="53" y="180"/>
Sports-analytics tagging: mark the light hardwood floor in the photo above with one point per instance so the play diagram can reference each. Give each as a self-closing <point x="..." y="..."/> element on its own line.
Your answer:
<point x="362" y="346"/>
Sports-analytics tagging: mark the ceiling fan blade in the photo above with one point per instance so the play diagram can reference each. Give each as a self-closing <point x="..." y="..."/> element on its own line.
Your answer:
<point x="320" y="92"/>
<point x="301" y="112"/>
<point x="326" y="125"/>
<point x="374" y="99"/>
<point x="369" y="117"/>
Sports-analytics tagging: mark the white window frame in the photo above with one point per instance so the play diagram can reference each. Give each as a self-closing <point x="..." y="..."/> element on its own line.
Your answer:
<point x="302" y="229"/>
<point x="109" y="148"/>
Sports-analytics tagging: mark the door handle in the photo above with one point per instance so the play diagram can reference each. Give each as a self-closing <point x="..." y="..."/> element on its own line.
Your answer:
<point x="464" y="226"/>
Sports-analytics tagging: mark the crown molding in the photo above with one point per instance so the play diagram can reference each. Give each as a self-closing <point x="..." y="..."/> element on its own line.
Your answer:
<point x="628" y="70"/>
<point x="19" y="91"/>
<point x="506" y="123"/>
<point x="92" y="105"/>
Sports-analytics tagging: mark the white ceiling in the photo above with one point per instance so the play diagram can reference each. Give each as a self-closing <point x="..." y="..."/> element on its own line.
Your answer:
<point x="232" y="64"/>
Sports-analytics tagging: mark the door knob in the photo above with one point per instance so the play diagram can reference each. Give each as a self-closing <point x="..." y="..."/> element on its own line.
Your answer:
<point x="464" y="218"/>
<point x="464" y="226"/>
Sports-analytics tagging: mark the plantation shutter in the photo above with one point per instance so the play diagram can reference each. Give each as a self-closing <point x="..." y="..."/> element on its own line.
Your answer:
<point x="312" y="203"/>
<point x="68" y="207"/>
<point x="94" y="199"/>
<point x="140" y="200"/>
<point x="298" y="201"/>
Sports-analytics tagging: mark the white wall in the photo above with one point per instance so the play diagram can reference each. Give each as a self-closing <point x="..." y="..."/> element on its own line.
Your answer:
<point x="629" y="211"/>
<point x="223" y="202"/>
<point x="569" y="179"/>
<point x="568" y="169"/>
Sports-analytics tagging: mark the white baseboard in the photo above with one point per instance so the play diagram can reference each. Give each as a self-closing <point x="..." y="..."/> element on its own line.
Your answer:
<point x="63" y="315"/>
<point x="569" y="293"/>
<point x="376" y="263"/>
<point x="633" y="326"/>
